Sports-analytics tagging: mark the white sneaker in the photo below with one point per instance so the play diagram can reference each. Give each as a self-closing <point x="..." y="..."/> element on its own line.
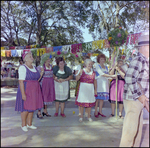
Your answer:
<point x="32" y="127"/>
<point x="24" y="128"/>
<point x="90" y="119"/>
<point x="81" y="119"/>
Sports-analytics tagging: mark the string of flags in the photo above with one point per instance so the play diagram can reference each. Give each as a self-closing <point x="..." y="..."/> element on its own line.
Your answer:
<point x="74" y="48"/>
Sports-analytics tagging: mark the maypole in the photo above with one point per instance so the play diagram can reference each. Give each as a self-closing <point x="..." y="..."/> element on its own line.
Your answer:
<point x="116" y="38"/>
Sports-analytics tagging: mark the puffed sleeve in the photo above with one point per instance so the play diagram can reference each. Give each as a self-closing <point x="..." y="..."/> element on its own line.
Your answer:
<point x="99" y="70"/>
<point x="22" y="72"/>
<point x="78" y="69"/>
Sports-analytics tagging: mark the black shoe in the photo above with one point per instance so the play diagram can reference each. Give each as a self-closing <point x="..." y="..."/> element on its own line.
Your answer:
<point x="47" y="115"/>
<point x="40" y="117"/>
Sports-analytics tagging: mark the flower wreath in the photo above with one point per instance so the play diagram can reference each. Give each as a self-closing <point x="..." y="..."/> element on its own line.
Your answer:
<point x="117" y="37"/>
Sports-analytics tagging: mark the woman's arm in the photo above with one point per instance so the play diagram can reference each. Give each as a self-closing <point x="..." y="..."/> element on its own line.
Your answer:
<point x="103" y="74"/>
<point x="95" y="87"/>
<point x="69" y="78"/>
<point x="41" y="73"/>
<point x="55" y="78"/>
<point x="79" y="75"/>
<point x="120" y="72"/>
<point x="22" y="89"/>
<point x="112" y="70"/>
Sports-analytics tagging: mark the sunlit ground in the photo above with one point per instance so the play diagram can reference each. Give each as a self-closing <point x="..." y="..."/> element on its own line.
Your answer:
<point x="58" y="131"/>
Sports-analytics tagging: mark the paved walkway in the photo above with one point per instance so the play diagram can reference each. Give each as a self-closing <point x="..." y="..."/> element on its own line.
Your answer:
<point x="58" y="131"/>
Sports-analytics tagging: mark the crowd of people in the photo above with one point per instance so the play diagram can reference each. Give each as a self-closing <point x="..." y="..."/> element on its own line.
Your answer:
<point x="9" y="70"/>
<point x="40" y="86"/>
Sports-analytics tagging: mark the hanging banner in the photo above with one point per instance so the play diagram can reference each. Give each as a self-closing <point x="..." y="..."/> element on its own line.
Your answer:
<point x="49" y="49"/>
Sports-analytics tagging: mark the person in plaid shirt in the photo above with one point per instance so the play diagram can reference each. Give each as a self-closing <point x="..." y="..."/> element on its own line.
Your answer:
<point x="136" y="94"/>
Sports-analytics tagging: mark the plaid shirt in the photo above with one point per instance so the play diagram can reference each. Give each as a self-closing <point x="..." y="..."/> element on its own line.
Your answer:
<point x="138" y="71"/>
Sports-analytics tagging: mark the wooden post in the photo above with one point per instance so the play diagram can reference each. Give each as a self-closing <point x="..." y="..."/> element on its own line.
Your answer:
<point x="117" y="51"/>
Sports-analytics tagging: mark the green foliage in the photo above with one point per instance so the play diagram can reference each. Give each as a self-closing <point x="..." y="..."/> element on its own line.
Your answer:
<point x="23" y="42"/>
<point x="117" y="37"/>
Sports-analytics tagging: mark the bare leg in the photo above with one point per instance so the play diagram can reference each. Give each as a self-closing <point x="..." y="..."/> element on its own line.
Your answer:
<point x="57" y="106"/>
<point x="24" y="118"/>
<point x="82" y="109"/>
<point x="79" y="110"/>
<point x="29" y="118"/>
<point x="120" y="109"/>
<point x="62" y="107"/>
<point x="96" y="105"/>
<point x="101" y="106"/>
<point x="89" y="111"/>
<point x="113" y="108"/>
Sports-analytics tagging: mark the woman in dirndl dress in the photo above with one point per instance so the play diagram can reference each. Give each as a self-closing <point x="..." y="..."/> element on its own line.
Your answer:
<point x="29" y="95"/>
<point x="120" y="88"/>
<point x="102" y="84"/>
<point x="47" y="84"/>
<point x="81" y="66"/>
<point x="62" y="75"/>
<point x="87" y="89"/>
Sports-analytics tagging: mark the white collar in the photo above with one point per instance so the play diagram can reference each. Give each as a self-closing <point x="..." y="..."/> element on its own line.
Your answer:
<point x="61" y="72"/>
<point x="89" y="73"/>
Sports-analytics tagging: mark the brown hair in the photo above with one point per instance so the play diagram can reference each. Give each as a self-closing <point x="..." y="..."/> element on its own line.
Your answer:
<point x="101" y="56"/>
<point x="59" y="59"/>
<point x="85" y="57"/>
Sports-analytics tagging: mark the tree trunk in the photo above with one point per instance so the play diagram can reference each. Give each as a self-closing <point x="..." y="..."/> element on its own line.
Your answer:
<point x="117" y="13"/>
<point x="30" y="35"/>
<point x="39" y="23"/>
<point x="17" y="38"/>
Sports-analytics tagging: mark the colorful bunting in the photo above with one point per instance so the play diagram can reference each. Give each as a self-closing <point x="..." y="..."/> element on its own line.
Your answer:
<point x="8" y="53"/>
<point x="3" y="53"/>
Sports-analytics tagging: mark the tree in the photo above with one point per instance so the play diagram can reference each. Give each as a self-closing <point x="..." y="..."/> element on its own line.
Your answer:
<point x="11" y="25"/>
<point x="109" y="14"/>
<point x="54" y="18"/>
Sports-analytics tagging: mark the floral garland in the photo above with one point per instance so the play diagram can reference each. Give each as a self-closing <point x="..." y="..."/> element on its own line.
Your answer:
<point x="117" y="37"/>
<point x="67" y="56"/>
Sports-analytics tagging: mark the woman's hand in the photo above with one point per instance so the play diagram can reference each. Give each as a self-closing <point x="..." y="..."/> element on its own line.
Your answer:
<point x="24" y="97"/>
<point x="117" y="68"/>
<point x="113" y="76"/>
<point x="61" y="80"/>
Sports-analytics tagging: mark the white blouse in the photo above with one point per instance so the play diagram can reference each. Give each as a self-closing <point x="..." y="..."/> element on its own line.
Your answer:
<point x="22" y="71"/>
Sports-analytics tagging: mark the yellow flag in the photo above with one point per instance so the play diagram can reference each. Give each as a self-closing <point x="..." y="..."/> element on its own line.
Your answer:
<point x="95" y="54"/>
<point x="53" y="53"/>
<point x="2" y="48"/>
<point x="122" y="51"/>
<point x="3" y="53"/>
